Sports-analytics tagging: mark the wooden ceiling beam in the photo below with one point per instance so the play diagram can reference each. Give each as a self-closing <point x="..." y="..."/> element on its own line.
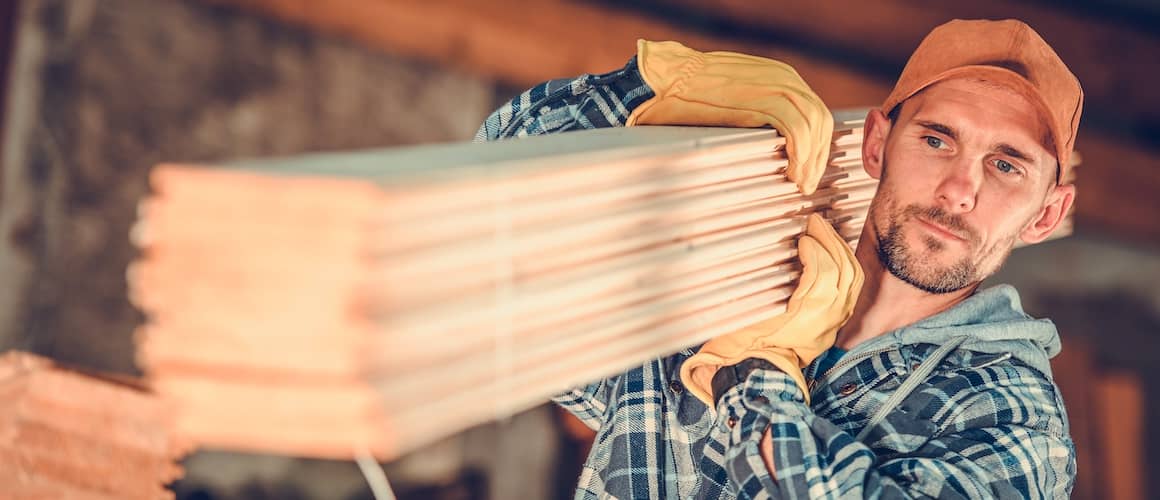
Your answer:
<point x="1118" y="190"/>
<point x="524" y="42"/>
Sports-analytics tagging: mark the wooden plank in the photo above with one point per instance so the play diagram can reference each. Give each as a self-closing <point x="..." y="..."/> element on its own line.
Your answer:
<point x="21" y="194"/>
<point x="66" y="434"/>
<point x="1120" y="401"/>
<point x="8" y="18"/>
<point x="1074" y="372"/>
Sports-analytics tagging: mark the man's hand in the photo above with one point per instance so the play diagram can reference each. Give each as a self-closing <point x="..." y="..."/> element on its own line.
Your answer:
<point x="766" y="448"/>
<point x="737" y="90"/>
<point x="823" y="301"/>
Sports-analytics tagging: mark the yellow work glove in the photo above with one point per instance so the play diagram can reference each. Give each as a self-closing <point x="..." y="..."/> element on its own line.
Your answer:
<point x="823" y="301"/>
<point x="737" y="90"/>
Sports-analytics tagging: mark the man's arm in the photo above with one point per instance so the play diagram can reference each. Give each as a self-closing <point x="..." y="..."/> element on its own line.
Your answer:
<point x="977" y="434"/>
<point x="585" y="102"/>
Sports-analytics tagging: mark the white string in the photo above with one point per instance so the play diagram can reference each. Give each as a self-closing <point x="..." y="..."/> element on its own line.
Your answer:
<point x="374" y="474"/>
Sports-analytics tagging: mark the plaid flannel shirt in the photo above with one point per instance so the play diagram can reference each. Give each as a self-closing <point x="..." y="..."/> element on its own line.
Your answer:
<point x="982" y="425"/>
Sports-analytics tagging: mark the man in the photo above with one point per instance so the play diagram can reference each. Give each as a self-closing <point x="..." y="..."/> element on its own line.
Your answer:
<point x="933" y="388"/>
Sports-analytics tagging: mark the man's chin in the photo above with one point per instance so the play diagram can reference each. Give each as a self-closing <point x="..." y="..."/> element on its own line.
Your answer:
<point x="918" y="258"/>
<point x="933" y="271"/>
<point x="933" y="284"/>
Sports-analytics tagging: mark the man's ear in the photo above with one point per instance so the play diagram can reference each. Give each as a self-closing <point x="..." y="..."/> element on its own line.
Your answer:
<point x="874" y="133"/>
<point x="1054" y="211"/>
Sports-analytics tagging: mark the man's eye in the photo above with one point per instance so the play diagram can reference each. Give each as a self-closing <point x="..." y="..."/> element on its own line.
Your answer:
<point x="1006" y="167"/>
<point x="934" y="142"/>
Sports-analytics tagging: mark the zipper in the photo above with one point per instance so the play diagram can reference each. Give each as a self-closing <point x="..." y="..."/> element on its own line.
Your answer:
<point x="813" y="384"/>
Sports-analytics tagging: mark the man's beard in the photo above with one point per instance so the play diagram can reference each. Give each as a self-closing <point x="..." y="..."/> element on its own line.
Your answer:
<point x="905" y="264"/>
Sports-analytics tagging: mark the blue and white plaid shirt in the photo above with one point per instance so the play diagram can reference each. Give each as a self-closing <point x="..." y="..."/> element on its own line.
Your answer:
<point x="988" y="422"/>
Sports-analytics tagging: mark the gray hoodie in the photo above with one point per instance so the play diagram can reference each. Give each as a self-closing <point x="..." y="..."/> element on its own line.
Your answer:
<point x="990" y="321"/>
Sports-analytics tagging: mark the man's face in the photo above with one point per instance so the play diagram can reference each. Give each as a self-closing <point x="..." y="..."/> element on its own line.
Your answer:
<point x="965" y="171"/>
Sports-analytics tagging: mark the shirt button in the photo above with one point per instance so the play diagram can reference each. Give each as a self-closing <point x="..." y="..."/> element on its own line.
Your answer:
<point x="848" y="389"/>
<point x="676" y="387"/>
<point x="731" y="421"/>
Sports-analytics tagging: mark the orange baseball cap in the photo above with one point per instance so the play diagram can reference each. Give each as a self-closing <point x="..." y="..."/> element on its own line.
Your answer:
<point x="1006" y="52"/>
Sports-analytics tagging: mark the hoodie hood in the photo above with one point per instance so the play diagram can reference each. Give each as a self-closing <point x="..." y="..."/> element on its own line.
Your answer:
<point x="992" y="321"/>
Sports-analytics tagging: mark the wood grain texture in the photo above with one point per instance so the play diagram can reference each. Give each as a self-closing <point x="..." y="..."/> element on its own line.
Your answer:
<point x="65" y="434"/>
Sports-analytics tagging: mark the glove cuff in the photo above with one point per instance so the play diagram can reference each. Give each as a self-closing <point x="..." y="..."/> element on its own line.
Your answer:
<point x="665" y="67"/>
<point x="729" y="376"/>
<point x="783" y="360"/>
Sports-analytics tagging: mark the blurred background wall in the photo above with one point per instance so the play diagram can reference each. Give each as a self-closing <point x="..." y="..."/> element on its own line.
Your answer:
<point x="98" y="91"/>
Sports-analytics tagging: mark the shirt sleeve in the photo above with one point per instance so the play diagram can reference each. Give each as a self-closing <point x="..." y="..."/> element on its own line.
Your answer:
<point x="589" y="402"/>
<point x="581" y="103"/>
<point x="585" y="102"/>
<point x="967" y="436"/>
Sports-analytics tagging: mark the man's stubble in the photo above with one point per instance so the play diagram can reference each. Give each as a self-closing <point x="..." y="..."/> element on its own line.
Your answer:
<point x="906" y="263"/>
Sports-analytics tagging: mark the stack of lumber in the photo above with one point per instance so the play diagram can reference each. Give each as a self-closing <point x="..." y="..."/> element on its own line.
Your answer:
<point x="64" y="434"/>
<point x="376" y="301"/>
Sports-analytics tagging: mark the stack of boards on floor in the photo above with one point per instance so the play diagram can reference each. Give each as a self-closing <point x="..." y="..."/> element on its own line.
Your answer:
<point x="67" y="434"/>
<point x="376" y="301"/>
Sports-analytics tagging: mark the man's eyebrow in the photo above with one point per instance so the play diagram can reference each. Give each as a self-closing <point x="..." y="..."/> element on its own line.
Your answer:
<point x="1009" y="150"/>
<point x="938" y="127"/>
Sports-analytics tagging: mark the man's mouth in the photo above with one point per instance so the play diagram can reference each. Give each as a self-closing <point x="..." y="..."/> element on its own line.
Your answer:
<point x="940" y="230"/>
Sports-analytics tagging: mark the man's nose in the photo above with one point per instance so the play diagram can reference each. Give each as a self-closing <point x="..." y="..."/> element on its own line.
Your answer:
<point x="960" y="187"/>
